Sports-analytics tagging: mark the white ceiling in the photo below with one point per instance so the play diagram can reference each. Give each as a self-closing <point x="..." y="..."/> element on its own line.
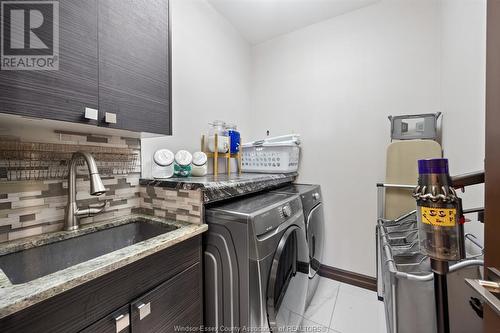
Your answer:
<point x="261" y="20"/>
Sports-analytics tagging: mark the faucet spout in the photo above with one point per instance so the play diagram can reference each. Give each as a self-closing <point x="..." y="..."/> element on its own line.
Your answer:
<point x="96" y="188"/>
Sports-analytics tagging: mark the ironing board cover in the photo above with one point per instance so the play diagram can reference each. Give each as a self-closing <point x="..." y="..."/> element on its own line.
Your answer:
<point x="401" y="168"/>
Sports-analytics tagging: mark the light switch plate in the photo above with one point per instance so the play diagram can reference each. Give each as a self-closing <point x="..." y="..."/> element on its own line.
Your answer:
<point x="91" y="114"/>
<point x="110" y="118"/>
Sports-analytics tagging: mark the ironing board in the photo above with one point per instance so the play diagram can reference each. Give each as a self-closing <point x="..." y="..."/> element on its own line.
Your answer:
<point x="401" y="168"/>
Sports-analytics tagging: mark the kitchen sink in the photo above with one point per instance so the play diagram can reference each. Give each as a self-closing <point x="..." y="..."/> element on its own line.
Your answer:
<point x="27" y="265"/>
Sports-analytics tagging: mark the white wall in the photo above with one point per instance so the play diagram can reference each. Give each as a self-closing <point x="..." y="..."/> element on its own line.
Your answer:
<point x="336" y="82"/>
<point x="463" y="68"/>
<point x="211" y="66"/>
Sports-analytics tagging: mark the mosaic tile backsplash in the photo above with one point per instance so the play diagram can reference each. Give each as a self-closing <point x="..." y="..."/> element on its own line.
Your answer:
<point x="33" y="207"/>
<point x="183" y="205"/>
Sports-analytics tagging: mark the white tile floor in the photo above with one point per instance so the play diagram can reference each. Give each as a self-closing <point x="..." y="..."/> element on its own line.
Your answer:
<point x="341" y="308"/>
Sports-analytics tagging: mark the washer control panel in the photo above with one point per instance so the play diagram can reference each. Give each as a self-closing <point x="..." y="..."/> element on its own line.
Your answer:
<point x="270" y="220"/>
<point x="286" y="211"/>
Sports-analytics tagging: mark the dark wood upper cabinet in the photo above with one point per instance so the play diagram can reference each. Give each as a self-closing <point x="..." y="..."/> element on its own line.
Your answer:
<point x="59" y="94"/>
<point x="134" y="64"/>
<point x="114" y="56"/>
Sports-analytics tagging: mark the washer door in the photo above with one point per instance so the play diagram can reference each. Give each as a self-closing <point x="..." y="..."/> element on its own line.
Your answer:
<point x="288" y="280"/>
<point x="315" y="238"/>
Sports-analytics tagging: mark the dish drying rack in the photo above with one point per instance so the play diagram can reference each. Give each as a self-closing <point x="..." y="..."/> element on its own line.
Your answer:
<point x="45" y="161"/>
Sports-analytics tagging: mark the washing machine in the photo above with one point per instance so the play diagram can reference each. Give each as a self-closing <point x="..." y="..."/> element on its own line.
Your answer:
<point x="310" y="196"/>
<point x="255" y="264"/>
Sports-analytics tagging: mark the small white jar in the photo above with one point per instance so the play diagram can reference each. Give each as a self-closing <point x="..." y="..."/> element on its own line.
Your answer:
<point x="163" y="164"/>
<point x="182" y="165"/>
<point x="200" y="167"/>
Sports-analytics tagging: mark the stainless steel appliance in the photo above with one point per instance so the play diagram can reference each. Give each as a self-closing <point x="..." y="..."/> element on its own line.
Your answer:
<point x="255" y="264"/>
<point x="315" y="229"/>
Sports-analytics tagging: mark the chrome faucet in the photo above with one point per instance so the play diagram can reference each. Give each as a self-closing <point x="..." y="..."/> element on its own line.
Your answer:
<point x="73" y="213"/>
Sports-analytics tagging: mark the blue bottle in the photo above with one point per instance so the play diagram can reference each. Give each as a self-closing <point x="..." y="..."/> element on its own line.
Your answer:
<point x="234" y="136"/>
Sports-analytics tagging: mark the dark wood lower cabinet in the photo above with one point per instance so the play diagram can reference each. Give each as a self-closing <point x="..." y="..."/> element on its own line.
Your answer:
<point x="171" y="305"/>
<point x="109" y="323"/>
<point x="174" y="303"/>
<point x="165" y="285"/>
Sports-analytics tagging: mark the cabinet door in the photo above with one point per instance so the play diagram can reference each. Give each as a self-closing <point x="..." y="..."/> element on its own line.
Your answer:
<point x="134" y="64"/>
<point x="117" y="322"/>
<point x="59" y="94"/>
<point x="175" y="303"/>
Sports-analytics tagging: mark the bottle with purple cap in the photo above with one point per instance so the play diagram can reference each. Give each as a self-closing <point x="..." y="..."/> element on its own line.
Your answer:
<point x="439" y="212"/>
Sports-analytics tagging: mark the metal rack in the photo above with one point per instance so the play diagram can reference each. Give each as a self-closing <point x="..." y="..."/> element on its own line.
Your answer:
<point x="44" y="161"/>
<point x="407" y="279"/>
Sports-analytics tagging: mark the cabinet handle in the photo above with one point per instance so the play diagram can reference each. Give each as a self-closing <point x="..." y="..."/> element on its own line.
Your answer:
<point x="91" y="114"/>
<point x="121" y="322"/>
<point x="144" y="310"/>
<point x="110" y="118"/>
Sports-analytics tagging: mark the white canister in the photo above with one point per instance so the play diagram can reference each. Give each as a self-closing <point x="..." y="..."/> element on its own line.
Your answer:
<point x="182" y="165"/>
<point x="200" y="167"/>
<point x="163" y="164"/>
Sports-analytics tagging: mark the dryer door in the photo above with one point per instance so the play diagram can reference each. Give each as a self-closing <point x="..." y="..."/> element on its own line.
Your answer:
<point x="315" y="238"/>
<point x="288" y="280"/>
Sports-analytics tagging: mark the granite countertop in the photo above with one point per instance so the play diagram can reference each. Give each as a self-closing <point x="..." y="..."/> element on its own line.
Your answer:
<point x="15" y="297"/>
<point x="223" y="186"/>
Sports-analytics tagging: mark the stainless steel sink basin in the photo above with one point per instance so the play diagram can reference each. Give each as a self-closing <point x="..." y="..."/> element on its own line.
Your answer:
<point x="30" y="264"/>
